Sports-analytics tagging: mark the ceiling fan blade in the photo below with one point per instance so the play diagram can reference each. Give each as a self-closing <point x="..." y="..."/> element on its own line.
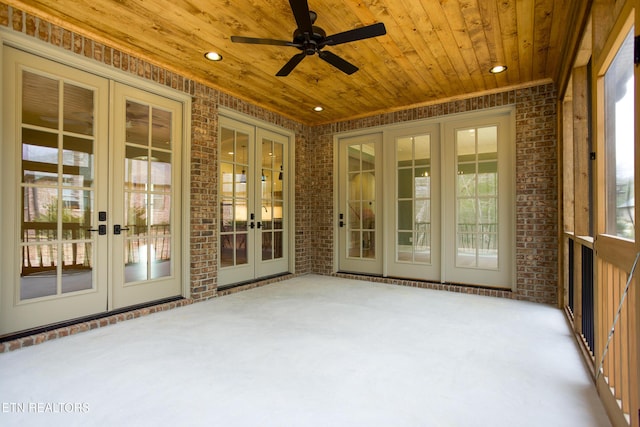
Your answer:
<point x="333" y="59"/>
<point x="300" y="9"/>
<point x="253" y="40"/>
<point x="289" y="66"/>
<point x="361" y="33"/>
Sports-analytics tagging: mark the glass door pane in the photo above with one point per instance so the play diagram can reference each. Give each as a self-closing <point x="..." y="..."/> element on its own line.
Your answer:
<point x="413" y="199"/>
<point x="477" y="197"/>
<point x="234" y="198"/>
<point x="361" y="212"/>
<point x="147" y="193"/>
<point x="272" y="200"/>
<point x="58" y="191"/>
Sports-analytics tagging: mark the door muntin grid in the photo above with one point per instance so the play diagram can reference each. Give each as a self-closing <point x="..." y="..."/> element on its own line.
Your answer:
<point x="477" y="222"/>
<point x="272" y="200"/>
<point x="147" y="187"/>
<point x="413" y="199"/>
<point x="57" y="187"/>
<point x="234" y="200"/>
<point x="361" y="203"/>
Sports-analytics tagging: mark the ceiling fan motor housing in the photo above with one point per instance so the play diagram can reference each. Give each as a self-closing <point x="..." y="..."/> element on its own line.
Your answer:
<point x="310" y="44"/>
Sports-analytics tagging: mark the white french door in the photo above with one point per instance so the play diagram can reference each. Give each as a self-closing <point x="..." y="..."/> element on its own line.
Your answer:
<point x="415" y="212"/>
<point x="443" y="198"/>
<point x="67" y="185"/>
<point x="359" y="207"/>
<point x="253" y="200"/>
<point x="478" y="238"/>
<point x="146" y="208"/>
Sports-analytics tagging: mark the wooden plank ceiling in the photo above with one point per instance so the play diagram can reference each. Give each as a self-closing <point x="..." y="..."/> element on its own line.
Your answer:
<point x="433" y="49"/>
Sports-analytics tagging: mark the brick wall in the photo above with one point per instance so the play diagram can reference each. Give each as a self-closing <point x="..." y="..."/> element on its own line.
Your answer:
<point x="204" y="127"/>
<point x="536" y="248"/>
<point x="536" y="184"/>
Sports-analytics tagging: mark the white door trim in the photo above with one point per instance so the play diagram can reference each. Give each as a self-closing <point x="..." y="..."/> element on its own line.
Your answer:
<point x="290" y="165"/>
<point x="256" y="126"/>
<point x="44" y="50"/>
<point x="442" y="122"/>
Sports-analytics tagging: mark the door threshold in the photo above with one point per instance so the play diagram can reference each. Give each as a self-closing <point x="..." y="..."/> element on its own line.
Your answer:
<point x="254" y="283"/>
<point x="463" y="288"/>
<point x="93" y="319"/>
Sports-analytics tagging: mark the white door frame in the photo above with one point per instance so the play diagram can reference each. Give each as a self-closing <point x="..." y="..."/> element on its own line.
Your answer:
<point x="46" y="51"/>
<point x="389" y="132"/>
<point x="346" y="262"/>
<point x="17" y="313"/>
<point x="432" y="271"/>
<point x="258" y="128"/>
<point x="504" y="276"/>
<point x="123" y="294"/>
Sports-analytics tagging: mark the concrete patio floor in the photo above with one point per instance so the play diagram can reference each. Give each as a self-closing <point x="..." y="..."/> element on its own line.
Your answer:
<point x="312" y="351"/>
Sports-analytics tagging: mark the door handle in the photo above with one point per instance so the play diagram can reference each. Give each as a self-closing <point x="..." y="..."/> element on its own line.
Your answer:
<point x="259" y="224"/>
<point x="102" y="229"/>
<point x="341" y="223"/>
<point x="117" y="229"/>
<point x="252" y="225"/>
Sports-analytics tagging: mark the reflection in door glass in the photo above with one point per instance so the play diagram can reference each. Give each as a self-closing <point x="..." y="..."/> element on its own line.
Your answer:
<point x="147" y="196"/>
<point x="57" y="188"/>
<point x="361" y="214"/>
<point x="234" y="203"/>
<point x="477" y="198"/>
<point x="413" y="199"/>
<point x="78" y="109"/>
<point x="271" y="212"/>
<point x="161" y="132"/>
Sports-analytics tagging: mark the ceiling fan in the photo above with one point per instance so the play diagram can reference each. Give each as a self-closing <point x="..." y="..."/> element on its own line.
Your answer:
<point x="311" y="39"/>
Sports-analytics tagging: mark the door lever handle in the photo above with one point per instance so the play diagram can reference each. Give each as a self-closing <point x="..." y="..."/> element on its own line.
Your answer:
<point x="102" y="229"/>
<point x="117" y="229"/>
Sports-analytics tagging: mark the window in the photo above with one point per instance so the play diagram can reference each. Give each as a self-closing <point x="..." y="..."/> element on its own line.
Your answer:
<point x="619" y="142"/>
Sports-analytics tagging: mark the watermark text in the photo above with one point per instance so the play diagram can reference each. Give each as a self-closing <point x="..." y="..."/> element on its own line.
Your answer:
<point x="44" y="407"/>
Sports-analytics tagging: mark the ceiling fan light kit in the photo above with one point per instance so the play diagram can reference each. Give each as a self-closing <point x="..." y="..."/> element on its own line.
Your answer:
<point x="310" y="40"/>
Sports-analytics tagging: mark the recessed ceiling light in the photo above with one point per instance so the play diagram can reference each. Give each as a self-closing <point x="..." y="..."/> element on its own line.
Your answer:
<point x="498" y="69"/>
<point x="318" y="108"/>
<point x="213" y="56"/>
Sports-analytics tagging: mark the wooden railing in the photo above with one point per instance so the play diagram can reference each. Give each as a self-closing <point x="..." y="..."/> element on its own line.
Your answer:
<point x="616" y="332"/>
<point x="596" y="276"/>
<point x="579" y="298"/>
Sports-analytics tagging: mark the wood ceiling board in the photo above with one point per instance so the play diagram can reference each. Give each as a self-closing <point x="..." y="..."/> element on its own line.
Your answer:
<point x="507" y="18"/>
<point x="432" y="50"/>
<point x="543" y="15"/>
<point x="466" y="65"/>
